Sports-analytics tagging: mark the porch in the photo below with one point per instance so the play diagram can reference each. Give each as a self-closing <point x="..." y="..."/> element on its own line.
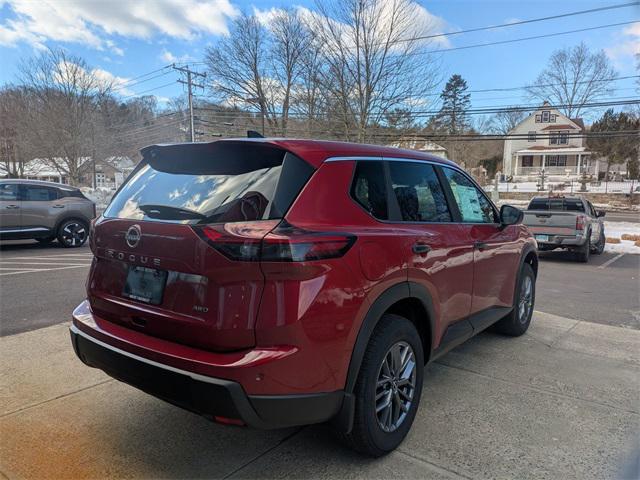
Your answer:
<point x="566" y="162"/>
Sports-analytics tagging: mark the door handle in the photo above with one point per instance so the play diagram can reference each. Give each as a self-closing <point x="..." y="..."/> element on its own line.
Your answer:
<point x="481" y="245"/>
<point x="421" y="248"/>
<point x="58" y="206"/>
<point x="12" y="207"/>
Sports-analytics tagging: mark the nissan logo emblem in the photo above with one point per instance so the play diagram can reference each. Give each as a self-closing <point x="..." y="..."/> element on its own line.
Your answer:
<point x="133" y="236"/>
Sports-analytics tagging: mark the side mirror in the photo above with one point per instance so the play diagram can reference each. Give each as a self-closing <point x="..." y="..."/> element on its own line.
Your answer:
<point x="600" y="213"/>
<point x="510" y="215"/>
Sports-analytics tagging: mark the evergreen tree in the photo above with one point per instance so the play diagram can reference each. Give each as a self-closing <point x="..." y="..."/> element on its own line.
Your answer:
<point x="620" y="148"/>
<point x="453" y="118"/>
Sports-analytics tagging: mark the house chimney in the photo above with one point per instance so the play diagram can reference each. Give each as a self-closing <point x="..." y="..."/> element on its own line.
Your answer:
<point x="546" y="103"/>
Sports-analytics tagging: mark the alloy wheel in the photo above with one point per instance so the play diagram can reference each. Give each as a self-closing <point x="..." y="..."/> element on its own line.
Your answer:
<point x="395" y="387"/>
<point x="526" y="299"/>
<point x="74" y="234"/>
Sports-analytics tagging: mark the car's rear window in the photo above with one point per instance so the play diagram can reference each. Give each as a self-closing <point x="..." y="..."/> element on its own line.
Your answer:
<point x="200" y="185"/>
<point x="557" y="204"/>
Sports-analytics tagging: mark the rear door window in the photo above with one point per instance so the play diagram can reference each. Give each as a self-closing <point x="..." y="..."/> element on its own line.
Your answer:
<point x="418" y="192"/>
<point x="369" y="188"/>
<point x="208" y="184"/>
<point x="37" y="193"/>
<point x="9" y="192"/>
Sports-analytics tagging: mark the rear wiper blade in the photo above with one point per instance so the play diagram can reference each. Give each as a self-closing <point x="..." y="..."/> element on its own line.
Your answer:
<point x="167" y="212"/>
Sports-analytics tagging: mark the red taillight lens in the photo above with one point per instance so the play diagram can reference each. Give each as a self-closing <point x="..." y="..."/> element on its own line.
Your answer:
<point x="580" y="222"/>
<point x="237" y="241"/>
<point x="261" y="241"/>
<point x="291" y="244"/>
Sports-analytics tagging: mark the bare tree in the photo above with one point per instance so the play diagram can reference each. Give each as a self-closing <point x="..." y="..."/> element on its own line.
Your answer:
<point x="259" y="65"/>
<point x="373" y="59"/>
<point x="14" y="139"/>
<point x="64" y="97"/>
<point x="505" y="121"/>
<point x="573" y="78"/>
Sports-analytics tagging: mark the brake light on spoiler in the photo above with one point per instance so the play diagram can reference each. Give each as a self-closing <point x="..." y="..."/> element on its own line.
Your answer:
<point x="273" y="241"/>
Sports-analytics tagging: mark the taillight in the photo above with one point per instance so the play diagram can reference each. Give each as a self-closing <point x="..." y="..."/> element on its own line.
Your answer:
<point x="237" y="241"/>
<point x="580" y="222"/>
<point x="291" y="244"/>
<point x="261" y="241"/>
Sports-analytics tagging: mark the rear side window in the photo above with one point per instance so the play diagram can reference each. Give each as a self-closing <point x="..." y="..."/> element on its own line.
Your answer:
<point x="369" y="188"/>
<point x="35" y="193"/>
<point x="212" y="184"/>
<point x="9" y="192"/>
<point x="557" y="204"/>
<point x="71" y="193"/>
<point x="473" y="205"/>
<point x="418" y="192"/>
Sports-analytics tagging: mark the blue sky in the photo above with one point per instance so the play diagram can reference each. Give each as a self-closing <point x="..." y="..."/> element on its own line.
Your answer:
<point x="126" y="39"/>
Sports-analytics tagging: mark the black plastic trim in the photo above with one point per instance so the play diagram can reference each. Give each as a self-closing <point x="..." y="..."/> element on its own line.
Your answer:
<point x="206" y="396"/>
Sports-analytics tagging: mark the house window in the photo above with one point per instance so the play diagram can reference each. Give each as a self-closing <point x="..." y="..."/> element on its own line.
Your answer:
<point x="556" y="161"/>
<point x="538" y="118"/>
<point x="552" y="118"/>
<point x="101" y="179"/>
<point x="559" y="138"/>
<point x="545" y="116"/>
<point x="531" y="137"/>
<point x="527" y="160"/>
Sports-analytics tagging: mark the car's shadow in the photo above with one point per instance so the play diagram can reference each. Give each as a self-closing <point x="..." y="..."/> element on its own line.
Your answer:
<point x="9" y="245"/>
<point x="558" y="256"/>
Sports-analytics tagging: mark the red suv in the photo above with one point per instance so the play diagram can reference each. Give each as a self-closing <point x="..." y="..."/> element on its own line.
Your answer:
<point x="274" y="283"/>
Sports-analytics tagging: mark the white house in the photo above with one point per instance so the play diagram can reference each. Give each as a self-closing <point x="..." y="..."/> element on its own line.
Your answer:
<point x="547" y="140"/>
<point x="421" y="145"/>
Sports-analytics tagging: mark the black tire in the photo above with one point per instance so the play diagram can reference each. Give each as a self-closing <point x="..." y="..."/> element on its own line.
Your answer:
<point x="518" y="321"/>
<point x="45" y="240"/>
<point x="73" y="233"/>
<point x="599" y="247"/>
<point x="392" y="334"/>
<point x="584" y="253"/>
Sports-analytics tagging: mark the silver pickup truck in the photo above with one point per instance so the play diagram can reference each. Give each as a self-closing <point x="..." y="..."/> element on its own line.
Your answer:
<point x="566" y="222"/>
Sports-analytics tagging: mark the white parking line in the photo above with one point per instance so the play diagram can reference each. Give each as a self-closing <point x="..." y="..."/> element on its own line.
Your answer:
<point x="75" y="262"/>
<point x="14" y="272"/>
<point x="44" y="258"/>
<point x="611" y="260"/>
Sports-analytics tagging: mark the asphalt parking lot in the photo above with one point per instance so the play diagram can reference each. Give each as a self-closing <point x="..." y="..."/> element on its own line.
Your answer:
<point x="560" y="402"/>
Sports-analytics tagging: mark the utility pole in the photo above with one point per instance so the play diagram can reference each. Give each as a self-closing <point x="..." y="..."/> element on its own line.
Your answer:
<point x="190" y="84"/>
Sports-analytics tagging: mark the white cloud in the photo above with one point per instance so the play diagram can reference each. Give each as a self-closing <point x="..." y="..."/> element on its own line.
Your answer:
<point x="167" y="57"/>
<point x="72" y="70"/>
<point x="92" y="22"/>
<point x="423" y="22"/>
<point x="622" y="53"/>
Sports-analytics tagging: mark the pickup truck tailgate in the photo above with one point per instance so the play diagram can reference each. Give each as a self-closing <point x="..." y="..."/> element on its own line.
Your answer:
<point x="551" y="222"/>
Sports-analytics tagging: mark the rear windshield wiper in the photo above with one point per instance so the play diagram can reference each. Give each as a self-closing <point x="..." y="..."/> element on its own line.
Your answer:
<point x="167" y="212"/>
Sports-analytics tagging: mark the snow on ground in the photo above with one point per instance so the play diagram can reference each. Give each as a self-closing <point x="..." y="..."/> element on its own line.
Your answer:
<point x="616" y="230"/>
<point x="567" y="186"/>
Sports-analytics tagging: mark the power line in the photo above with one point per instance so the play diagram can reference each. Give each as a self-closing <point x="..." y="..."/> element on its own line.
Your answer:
<point x="149" y="90"/>
<point x="472" y="111"/>
<point x="515" y="40"/>
<point x="513" y="24"/>
<point x="123" y="86"/>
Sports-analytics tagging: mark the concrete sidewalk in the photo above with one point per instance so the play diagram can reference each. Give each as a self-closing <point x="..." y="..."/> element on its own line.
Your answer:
<point x="562" y="401"/>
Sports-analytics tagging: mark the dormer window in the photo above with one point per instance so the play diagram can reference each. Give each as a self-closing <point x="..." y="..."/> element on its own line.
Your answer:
<point x="538" y="118"/>
<point x="546" y="114"/>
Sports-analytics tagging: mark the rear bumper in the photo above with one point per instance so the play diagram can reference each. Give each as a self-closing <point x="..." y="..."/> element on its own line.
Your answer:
<point x="208" y="396"/>
<point x="556" y="241"/>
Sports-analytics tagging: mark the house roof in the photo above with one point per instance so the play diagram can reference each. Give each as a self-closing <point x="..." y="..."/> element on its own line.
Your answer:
<point x="538" y="149"/>
<point x="555" y="147"/>
<point x="560" y="127"/>
<point x="579" y="122"/>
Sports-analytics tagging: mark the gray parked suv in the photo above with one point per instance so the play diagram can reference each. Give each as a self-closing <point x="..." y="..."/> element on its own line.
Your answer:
<point x="44" y="211"/>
